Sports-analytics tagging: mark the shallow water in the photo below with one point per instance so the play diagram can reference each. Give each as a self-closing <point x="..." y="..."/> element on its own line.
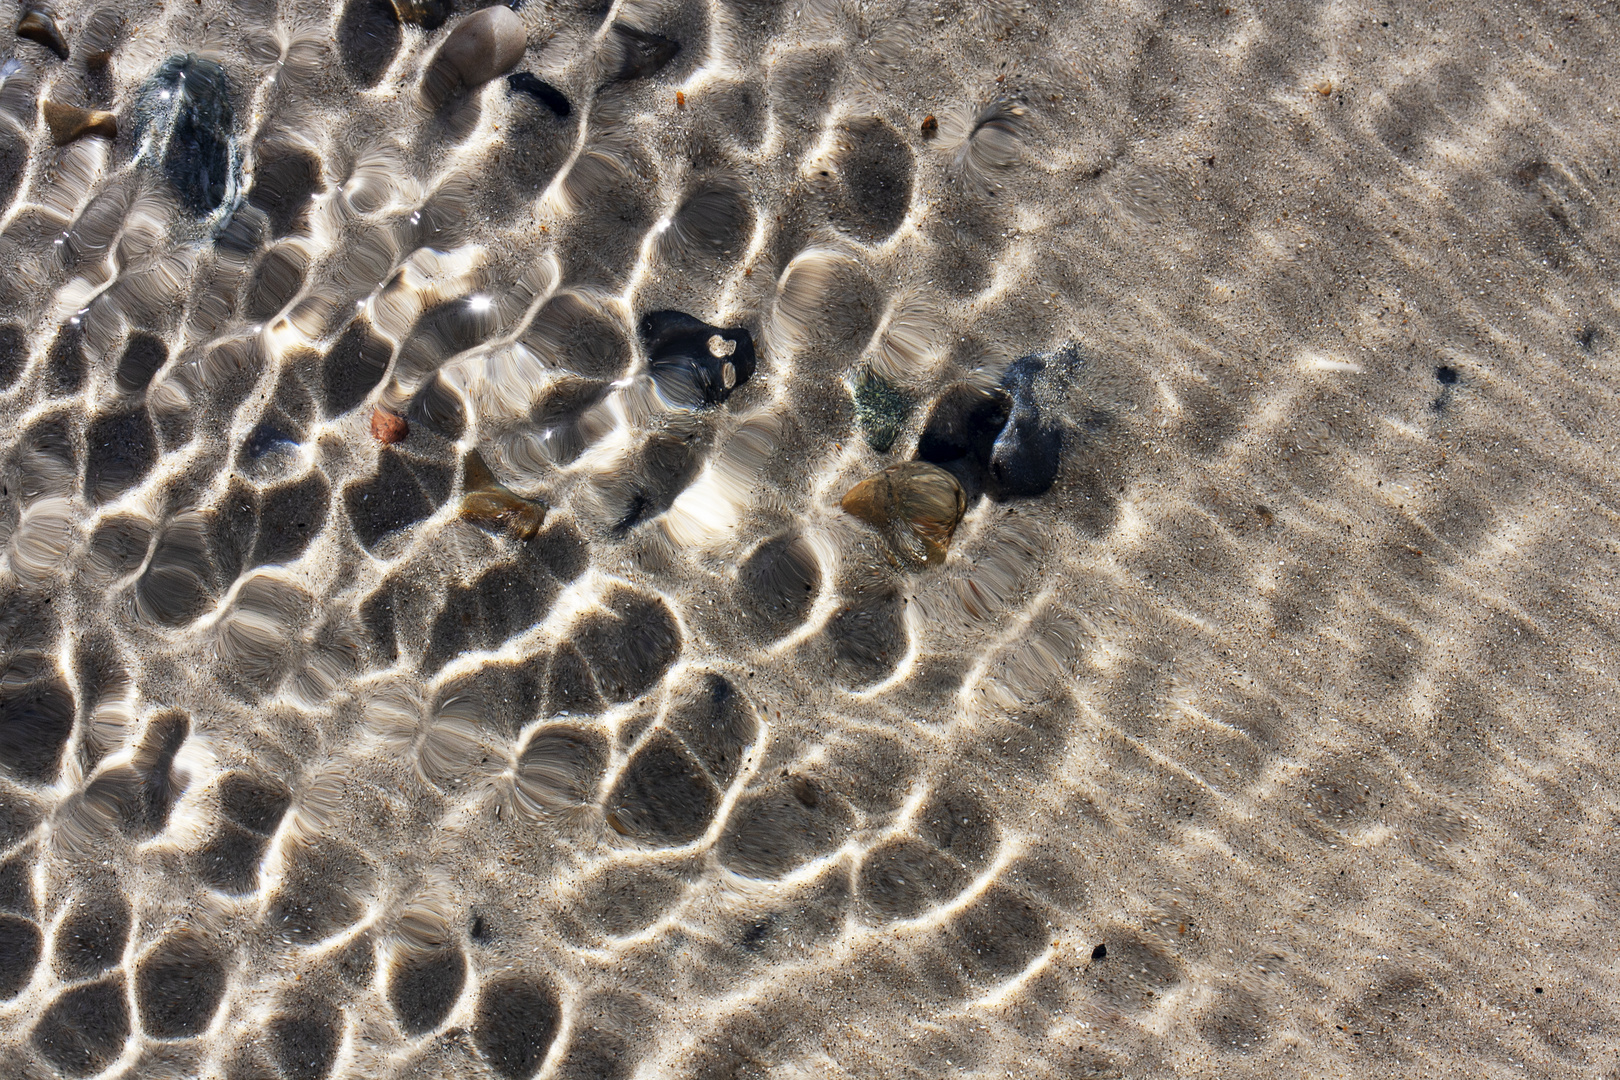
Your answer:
<point x="572" y="729"/>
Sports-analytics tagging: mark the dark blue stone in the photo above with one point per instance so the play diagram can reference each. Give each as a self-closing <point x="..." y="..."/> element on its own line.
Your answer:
<point x="185" y="108"/>
<point x="1024" y="457"/>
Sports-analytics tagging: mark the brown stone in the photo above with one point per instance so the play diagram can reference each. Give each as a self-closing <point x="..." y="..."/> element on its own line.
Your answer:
<point x="387" y="428"/>
<point x="489" y="503"/>
<point x="69" y="123"/>
<point x="38" y="26"/>
<point x="917" y="506"/>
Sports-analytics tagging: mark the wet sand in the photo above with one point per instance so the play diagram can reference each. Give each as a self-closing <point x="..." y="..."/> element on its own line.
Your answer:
<point x="571" y="728"/>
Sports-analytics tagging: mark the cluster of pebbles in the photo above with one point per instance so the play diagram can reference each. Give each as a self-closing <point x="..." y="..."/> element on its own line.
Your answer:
<point x="543" y="540"/>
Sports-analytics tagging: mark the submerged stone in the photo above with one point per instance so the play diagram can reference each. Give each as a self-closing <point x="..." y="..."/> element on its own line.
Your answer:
<point x="917" y="507"/>
<point x="428" y="14"/>
<point x="388" y="428"/>
<point x="484" y="45"/>
<point x="1007" y="441"/>
<point x="1024" y="458"/>
<point x="645" y="53"/>
<point x="880" y="409"/>
<point x="693" y="364"/>
<point x="69" y="123"/>
<point x="38" y="25"/>
<point x="964" y="423"/>
<point x="490" y="504"/>
<point x="184" y="120"/>
<point x="523" y="82"/>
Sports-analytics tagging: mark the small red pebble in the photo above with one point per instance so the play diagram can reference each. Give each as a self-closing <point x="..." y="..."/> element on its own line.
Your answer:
<point x="387" y="428"/>
<point x="680" y="100"/>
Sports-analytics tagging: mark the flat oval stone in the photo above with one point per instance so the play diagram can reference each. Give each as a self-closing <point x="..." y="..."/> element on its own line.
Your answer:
<point x="485" y="44"/>
<point x="184" y="115"/>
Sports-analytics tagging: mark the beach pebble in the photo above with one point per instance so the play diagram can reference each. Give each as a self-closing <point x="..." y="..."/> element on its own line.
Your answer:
<point x="491" y="504"/>
<point x="880" y="409"/>
<point x="645" y="53"/>
<point x="1024" y="457"/>
<point x="388" y="428"/>
<point x="693" y="364"/>
<point x="963" y="423"/>
<point x="69" y="123"/>
<point x="428" y="14"/>
<point x="483" y="45"/>
<point x="916" y="505"/>
<point x="186" y="104"/>
<point x="523" y="82"/>
<point x="39" y="26"/>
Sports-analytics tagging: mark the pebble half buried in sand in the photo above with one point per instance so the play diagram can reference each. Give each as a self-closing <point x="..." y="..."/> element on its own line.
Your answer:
<point x="39" y="26"/>
<point x="494" y="506"/>
<point x="69" y="123"/>
<point x="917" y="506"/>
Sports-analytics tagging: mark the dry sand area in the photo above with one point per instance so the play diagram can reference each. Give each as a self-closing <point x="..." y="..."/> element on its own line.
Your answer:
<point x="435" y="641"/>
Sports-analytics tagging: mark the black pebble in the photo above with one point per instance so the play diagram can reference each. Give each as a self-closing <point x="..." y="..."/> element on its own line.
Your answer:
<point x="1447" y="375"/>
<point x="522" y="82"/>
<point x="1024" y="458"/>
<point x="963" y="426"/>
<point x="1100" y="952"/>
<point x="198" y="159"/>
<point x="684" y="367"/>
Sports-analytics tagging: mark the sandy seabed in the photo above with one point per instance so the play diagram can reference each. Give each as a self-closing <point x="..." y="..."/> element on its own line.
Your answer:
<point x="570" y="728"/>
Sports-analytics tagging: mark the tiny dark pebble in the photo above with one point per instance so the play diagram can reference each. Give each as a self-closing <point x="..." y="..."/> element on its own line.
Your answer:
<point x="1447" y="374"/>
<point x="1100" y="952"/>
<point x="428" y="14"/>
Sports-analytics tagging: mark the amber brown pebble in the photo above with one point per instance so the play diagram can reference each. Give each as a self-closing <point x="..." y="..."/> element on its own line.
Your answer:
<point x="38" y="26"/>
<point x="388" y="428"/>
<point x="915" y="504"/>
<point x="503" y="509"/>
<point x="930" y="126"/>
<point x="490" y="503"/>
<point x="69" y="123"/>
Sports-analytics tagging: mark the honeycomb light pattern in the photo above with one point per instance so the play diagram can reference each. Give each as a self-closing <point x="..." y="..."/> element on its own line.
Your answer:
<point x="1275" y="738"/>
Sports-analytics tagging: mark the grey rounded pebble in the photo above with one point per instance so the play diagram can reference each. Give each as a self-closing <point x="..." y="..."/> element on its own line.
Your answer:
<point x="484" y="45"/>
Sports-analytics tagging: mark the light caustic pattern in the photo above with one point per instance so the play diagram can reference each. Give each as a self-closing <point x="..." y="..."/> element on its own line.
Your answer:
<point x="431" y="643"/>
